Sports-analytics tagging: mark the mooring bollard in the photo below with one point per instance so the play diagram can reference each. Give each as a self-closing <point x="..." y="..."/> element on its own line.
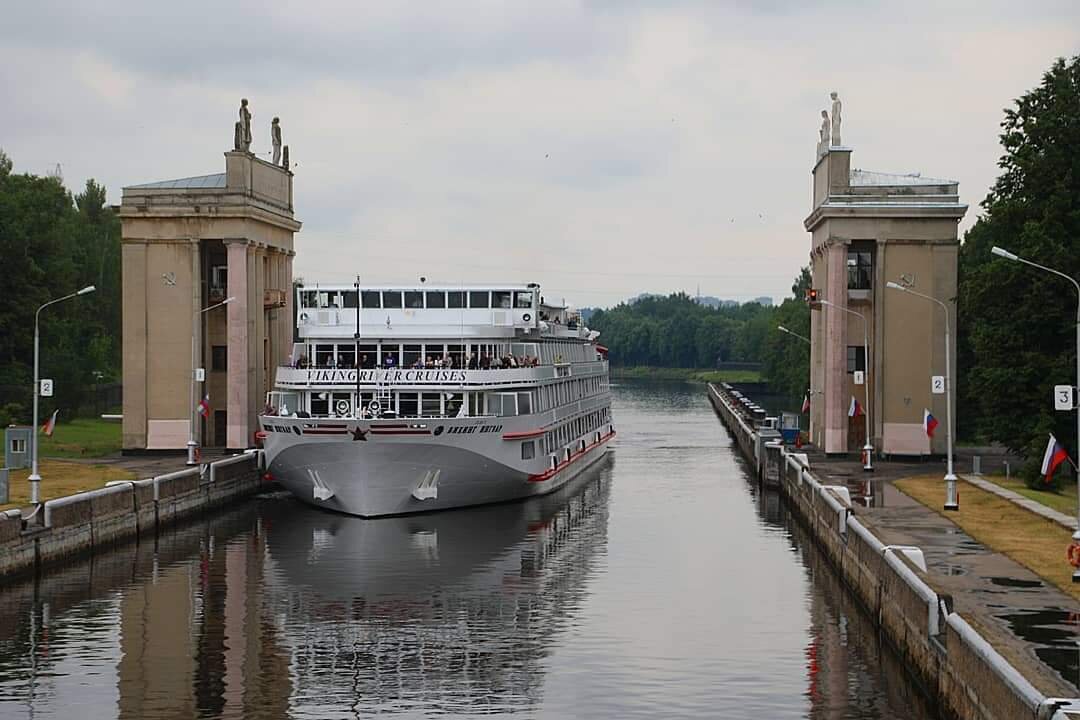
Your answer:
<point x="976" y="465"/>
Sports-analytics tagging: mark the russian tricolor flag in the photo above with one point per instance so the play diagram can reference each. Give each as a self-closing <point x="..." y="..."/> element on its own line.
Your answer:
<point x="855" y="409"/>
<point x="806" y="403"/>
<point x="929" y="423"/>
<point x="1054" y="456"/>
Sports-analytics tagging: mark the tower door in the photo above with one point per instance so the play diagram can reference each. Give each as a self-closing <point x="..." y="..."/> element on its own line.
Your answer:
<point x="856" y="433"/>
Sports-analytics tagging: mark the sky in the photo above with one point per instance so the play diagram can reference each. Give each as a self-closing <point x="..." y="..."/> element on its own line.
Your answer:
<point x="600" y="148"/>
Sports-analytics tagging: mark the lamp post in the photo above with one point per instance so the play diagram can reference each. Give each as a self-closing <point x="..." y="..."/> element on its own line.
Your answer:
<point x="1001" y="252"/>
<point x="868" y="449"/>
<point x="951" y="498"/>
<point x="35" y="477"/>
<point x="810" y="387"/>
<point x="191" y="444"/>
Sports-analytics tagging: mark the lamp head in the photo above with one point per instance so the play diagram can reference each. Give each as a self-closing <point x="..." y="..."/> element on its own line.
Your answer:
<point x="781" y="328"/>
<point x="1002" y="252"/>
<point x="895" y="286"/>
<point x="228" y="300"/>
<point x="87" y="289"/>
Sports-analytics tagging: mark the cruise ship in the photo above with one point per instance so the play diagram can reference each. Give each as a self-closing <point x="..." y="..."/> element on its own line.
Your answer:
<point x="400" y="401"/>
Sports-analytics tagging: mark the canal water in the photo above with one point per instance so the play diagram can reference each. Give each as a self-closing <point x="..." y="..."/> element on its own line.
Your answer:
<point x="663" y="584"/>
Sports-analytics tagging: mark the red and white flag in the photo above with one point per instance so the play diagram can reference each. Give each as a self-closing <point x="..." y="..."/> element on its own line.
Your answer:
<point x="929" y="423"/>
<point x="806" y="403"/>
<point x="50" y="424"/>
<point x="855" y="409"/>
<point x="1054" y="456"/>
<point x="203" y="408"/>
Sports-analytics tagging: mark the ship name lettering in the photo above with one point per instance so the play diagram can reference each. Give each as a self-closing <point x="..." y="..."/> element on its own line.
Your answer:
<point x="341" y="377"/>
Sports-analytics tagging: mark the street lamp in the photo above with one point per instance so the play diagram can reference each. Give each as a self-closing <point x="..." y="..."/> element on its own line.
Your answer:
<point x="191" y="444"/>
<point x="868" y="449"/>
<point x="952" y="501"/>
<point x="783" y="329"/>
<point x="1002" y="252"/>
<point x="35" y="478"/>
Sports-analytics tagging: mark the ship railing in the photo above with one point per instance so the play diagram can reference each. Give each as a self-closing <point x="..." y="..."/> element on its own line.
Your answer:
<point x="306" y="378"/>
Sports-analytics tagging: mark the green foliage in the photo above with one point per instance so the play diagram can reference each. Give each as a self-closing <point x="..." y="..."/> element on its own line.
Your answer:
<point x="677" y="332"/>
<point x="53" y="243"/>
<point x="1017" y="333"/>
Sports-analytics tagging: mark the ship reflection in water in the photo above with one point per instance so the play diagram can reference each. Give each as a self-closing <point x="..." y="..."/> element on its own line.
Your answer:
<point x="452" y="612"/>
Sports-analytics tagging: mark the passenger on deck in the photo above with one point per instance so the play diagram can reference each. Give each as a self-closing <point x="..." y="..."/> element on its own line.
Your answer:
<point x="448" y="361"/>
<point x="485" y="362"/>
<point x="472" y="364"/>
<point x="390" y="361"/>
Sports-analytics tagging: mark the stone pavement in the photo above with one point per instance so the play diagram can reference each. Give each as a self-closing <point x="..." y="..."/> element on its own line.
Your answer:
<point x="1033" y="624"/>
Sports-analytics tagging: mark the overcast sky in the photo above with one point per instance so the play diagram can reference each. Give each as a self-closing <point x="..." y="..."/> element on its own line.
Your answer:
<point x="600" y="148"/>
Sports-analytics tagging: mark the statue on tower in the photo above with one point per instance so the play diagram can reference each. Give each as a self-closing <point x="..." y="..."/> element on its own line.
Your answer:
<point x="275" y="139"/>
<point x="244" y="126"/>
<point x="823" y="134"/>
<point x="835" y="118"/>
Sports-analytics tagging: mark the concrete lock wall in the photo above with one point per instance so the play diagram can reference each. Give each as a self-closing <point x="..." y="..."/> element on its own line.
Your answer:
<point x="84" y="523"/>
<point x="955" y="665"/>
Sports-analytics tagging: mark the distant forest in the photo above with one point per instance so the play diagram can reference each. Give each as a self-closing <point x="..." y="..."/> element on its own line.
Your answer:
<point x="53" y="243"/>
<point x="677" y="331"/>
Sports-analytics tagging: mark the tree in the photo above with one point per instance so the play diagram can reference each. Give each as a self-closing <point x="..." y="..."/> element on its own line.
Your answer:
<point x="1017" y="325"/>
<point x="49" y="249"/>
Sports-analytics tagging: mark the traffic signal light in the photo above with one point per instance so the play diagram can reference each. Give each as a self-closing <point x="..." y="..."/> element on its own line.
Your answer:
<point x="812" y="297"/>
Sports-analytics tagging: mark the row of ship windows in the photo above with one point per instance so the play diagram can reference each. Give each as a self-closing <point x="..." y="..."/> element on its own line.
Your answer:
<point x="562" y="436"/>
<point x="437" y="404"/>
<point x="416" y="299"/>
<point x="441" y="354"/>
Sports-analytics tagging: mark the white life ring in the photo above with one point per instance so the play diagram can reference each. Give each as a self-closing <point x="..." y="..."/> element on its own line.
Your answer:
<point x="342" y="407"/>
<point x="374" y="407"/>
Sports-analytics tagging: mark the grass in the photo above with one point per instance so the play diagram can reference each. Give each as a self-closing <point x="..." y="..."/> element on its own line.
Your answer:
<point x="684" y="374"/>
<point x="1032" y="541"/>
<point x="59" y="478"/>
<point x="1063" y="500"/>
<point x="82" y="438"/>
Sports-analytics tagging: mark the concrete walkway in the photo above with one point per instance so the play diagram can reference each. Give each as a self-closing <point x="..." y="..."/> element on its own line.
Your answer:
<point x="1033" y="624"/>
<point x="1034" y="506"/>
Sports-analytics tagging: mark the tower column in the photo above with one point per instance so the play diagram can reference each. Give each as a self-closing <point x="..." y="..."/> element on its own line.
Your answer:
<point x="238" y="432"/>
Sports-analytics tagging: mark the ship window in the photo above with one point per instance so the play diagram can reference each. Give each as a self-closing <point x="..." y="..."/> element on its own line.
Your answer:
<point x="348" y="299"/>
<point x="457" y="354"/>
<point x="454" y="402"/>
<point x="500" y="299"/>
<point x="370" y="299"/>
<point x="414" y="299"/>
<point x="308" y="299"/>
<point x="436" y="299"/>
<point x="391" y="299"/>
<point x="408" y="404"/>
<point x="390" y="357"/>
<point x="324" y="356"/>
<point x="478" y="299"/>
<point x="320" y="404"/>
<point x="524" y="403"/>
<point x="455" y="299"/>
<point x="429" y="405"/>
<point x="410" y="354"/>
<point x="523" y="300"/>
<point x="346" y="356"/>
<point x="368" y="356"/>
<point x="528" y="450"/>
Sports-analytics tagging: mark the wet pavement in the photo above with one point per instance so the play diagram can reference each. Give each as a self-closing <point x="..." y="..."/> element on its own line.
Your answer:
<point x="1030" y="622"/>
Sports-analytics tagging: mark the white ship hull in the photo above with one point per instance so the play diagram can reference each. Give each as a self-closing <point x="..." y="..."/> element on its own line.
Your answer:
<point x="399" y="469"/>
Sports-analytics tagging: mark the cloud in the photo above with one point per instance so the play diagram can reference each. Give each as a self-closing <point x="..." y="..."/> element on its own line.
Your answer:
<point x="602" y="149"/>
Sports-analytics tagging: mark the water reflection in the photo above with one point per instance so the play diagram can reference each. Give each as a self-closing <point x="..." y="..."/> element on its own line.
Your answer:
<point x="660" y="584"/>
<point x="453" y="612"/>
